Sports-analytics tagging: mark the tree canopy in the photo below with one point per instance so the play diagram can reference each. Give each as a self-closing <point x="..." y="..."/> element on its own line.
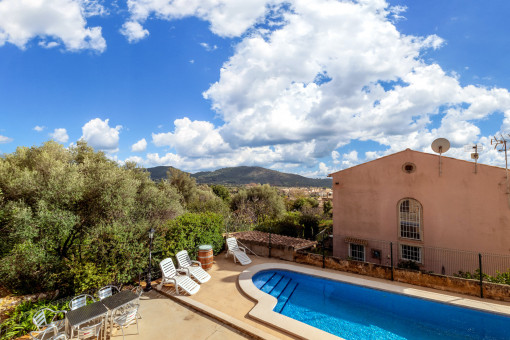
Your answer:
<point x="257" y="204"/>
<point x="64" y="209"/>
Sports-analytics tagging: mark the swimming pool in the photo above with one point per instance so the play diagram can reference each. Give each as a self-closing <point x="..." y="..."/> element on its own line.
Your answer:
<point x="356" y="312"/>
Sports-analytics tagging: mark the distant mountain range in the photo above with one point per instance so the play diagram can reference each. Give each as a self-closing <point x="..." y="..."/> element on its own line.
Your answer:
<point x="241" y="175"/>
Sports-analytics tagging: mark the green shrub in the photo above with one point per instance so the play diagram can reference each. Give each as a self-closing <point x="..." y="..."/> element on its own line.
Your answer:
<point x="191" y="230"/>
<point x="20" y="322"/>
<point x="287" y="225"/>
<point x="408" y="265"/>
<point x="501" y="278"/>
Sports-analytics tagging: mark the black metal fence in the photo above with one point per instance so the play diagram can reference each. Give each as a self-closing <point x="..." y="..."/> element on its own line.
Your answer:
<point x="444" y="261"/>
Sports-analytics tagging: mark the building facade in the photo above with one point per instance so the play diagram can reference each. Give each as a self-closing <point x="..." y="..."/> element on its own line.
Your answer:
<point x="419" y="201"/>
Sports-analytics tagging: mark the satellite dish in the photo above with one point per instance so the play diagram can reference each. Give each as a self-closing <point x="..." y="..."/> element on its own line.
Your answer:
<point x="440" y="145"/>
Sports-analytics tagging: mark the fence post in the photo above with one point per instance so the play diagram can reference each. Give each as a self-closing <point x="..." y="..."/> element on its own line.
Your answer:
<point x="323" y="254"/>
<point x="391" y="256"/>
<point x="481" y="274"/>
<point x="269" y="243"/>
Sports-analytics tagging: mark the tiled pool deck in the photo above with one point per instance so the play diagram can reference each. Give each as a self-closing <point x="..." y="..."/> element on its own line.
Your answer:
<point x="223" y="298"/>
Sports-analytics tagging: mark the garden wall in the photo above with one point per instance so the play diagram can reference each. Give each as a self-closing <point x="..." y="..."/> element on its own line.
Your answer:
<point x="277" y="251"/>
<point x="282" y="247"/>
<point x="441" y="282"/>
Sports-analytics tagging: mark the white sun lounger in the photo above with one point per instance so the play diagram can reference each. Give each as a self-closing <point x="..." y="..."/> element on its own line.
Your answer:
<point x="180" y="281"/>
<point x="239" y="253"/>
<point x="193" y="268"/>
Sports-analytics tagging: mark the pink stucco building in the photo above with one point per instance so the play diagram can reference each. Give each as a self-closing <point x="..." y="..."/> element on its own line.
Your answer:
<point x="404" y="199"/>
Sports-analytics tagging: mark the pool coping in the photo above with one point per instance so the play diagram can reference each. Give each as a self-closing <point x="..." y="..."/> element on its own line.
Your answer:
<point x="263" y="310"/>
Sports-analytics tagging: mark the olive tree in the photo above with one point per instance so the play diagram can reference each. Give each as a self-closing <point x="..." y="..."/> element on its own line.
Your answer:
<point x="69" y="216"/>
<point x="258" y="204"/>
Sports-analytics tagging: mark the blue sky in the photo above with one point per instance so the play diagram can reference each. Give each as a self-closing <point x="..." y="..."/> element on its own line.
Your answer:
<point x="297" y="86"/>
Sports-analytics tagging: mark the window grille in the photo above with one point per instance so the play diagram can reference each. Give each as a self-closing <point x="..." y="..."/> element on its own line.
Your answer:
<point x="410" y="253"/>
<point x="357" y="252"/>
<point x="410" y="219"/>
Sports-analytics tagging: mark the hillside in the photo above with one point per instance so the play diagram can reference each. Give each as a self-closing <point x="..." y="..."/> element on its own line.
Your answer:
<point x="158" y="172"/>
<point x="247" y="174"/>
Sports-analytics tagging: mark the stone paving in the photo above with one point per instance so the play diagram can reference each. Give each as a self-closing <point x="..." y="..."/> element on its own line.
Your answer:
<point x="166" y="319"/>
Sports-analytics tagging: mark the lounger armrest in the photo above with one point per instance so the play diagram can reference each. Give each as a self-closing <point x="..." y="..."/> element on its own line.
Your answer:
<point x="242" y="248"/>
<point x="184" y="271"/>
<point x="196" y="262"/>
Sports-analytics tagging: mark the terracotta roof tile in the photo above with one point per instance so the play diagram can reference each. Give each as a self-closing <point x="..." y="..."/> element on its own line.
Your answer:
<point x="261" y="238"/>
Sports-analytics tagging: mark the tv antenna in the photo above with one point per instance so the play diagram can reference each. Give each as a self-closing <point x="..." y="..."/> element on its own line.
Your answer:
<point x="474" y="149"/>
<point x="440" y="146"/>
<point x="501" y="142"/>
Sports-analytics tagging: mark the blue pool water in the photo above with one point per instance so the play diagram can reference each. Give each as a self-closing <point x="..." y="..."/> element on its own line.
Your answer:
<point x="355" y="312"/>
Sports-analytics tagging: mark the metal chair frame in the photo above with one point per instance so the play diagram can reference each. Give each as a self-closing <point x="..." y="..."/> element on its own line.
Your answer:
<point x="90" y="331"/>
<point x="106" y="291"/>
<point x="80" y="301"/>
<point x="126" y="318"/>
<point x="40" y="321"/>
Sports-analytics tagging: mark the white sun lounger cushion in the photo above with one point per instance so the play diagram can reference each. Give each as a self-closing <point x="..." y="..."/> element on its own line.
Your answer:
<point x="199" y="274"/>
<point x="187" y="284"/>
<point x="242" y="257"/>
<point x="239" y="253"/>
<point x="193" y="268"/>
<point x="180" y="281"/>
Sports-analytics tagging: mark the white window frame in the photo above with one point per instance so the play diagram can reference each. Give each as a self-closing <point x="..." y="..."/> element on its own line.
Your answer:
<point x="355" y="258"/>
<point x="417" y="249"/>
<point x="410" y="224"/>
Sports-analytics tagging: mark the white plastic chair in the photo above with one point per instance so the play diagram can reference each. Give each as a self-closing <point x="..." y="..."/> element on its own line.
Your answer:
<point x="180" y="281"/>
<point x="239" y="253"/>
<point x="193" y="268"/>
<point x="40" y="319"/>
<point x="80" y="301"/>
<point x="106" y="291"/>
<point x="127" y="318"/>
<point x="90" y="331"/>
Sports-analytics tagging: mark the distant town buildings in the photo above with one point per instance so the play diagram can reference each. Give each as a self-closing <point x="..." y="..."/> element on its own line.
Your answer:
<point x="320" y="194"/>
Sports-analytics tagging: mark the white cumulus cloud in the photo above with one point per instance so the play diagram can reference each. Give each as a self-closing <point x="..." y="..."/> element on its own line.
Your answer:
<point x="60" y="135"/>
<point x="133" y="31"/>
<point x="227" y="18"/>
<point x="136" y="159"/>
<point x="192" y="138"/>
<point x="39" y="128"/>
<point x="139" y="146"/>
<point x="308" y="77"/>
<point x="4" y="139"/>
<point x="55" y="22"/>
<point x="98" y="134"/>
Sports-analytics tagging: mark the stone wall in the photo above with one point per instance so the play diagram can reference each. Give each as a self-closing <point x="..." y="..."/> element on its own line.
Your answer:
<point x="282" y="247"/>
<point x="414" y="277"/>
<point x="277" y="251"/>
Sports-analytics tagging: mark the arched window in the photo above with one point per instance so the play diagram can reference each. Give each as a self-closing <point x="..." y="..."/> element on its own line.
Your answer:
<point x="410" y="219"/>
